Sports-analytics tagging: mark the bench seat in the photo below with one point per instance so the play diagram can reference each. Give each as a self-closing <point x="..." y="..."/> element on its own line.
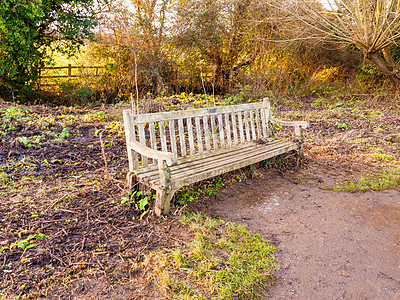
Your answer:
<point x="188" y="170"/>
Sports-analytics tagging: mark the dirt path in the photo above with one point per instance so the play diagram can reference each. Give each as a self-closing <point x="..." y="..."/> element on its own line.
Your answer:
<point x="329" y="245"/>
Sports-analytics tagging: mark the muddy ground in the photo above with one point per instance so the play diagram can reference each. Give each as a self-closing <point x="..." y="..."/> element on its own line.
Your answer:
<point x="65" y="232"/>
<point x="330" y="245"/>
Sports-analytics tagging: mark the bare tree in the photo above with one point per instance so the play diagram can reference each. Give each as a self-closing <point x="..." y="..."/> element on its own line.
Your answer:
<point x="373" y="26"/>
<point x="227" y="34"/>
<point x="133" y="40"/>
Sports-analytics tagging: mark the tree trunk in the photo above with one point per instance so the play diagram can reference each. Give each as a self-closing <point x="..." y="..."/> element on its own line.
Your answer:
<point x="382" y="66"/>
<point x="388" y="58"/>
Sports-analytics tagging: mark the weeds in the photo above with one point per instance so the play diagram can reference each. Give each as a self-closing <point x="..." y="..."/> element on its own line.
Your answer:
<point x="64" y="133"/>
<point x="342" y="126"/>
<point x="24" y="244"/>
<point x="202" y="191"/>
<point x="139" y="200"/>
<point x="32" y="141"/>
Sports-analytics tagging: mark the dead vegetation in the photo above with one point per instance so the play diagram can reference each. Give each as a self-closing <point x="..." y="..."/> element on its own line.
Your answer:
<point x="67" y="231"/>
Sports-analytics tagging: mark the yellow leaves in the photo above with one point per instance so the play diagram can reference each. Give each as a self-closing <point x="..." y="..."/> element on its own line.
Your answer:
<point x="116" y="127"/>
<point x="326" y="75"/>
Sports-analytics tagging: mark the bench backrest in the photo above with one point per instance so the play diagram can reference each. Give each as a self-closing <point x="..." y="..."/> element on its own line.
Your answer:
<point x="195" y="131"/>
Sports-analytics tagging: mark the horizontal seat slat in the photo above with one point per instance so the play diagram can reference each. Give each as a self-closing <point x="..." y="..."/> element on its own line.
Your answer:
<point x="185" y="163"/>
<point x="220" y="154"/>
<point x="223" y="155"/>
<point x="211" y="162"/>
<point x="230" y="160"/>
<point x="219" y="166"/>
<point x="222" y="169"/>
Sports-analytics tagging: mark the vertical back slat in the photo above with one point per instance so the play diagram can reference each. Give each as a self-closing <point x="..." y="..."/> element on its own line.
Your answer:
<point x="228" y="130"/>
<point x="162" y="136"/>
<point x="190" y="133"/>
<point x="253" y="127"/>
<point x="258" y="124"/>
<point x="234" y="129"/>
<point x="246" y="122"/>
<point x="221" y="131"/>
<point x="153" y="139"/>
<point x="198" y="133"/>
<point x="214" y="132"/>
<point x="264" y="123"/>
<point x="182" y="137"/>
<point x="267" y="115"/>
<point x="206" y="133"/>
<point x="142" y="138"/>
<point x="241" y="131"/>
<point x="172" y="137"/>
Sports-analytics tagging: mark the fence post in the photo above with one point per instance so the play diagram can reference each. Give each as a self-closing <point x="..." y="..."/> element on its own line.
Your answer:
<point x="69" y="70"/>
<point x="38" y="82"/>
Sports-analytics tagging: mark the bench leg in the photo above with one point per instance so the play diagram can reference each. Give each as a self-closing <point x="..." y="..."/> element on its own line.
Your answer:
<point x="300" y="153"/>
<point x="163" y="200"/>
<point x="130" y="180"/>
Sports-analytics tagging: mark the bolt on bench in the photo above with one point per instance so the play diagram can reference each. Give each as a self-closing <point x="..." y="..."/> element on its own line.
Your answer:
<point x="169" y="150"/>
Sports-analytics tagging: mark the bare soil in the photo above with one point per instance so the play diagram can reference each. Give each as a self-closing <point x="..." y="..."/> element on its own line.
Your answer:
<point x="330" y="245"/>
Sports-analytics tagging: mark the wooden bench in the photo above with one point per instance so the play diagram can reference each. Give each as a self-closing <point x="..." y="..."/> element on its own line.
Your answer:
<point x="169" y="150"/>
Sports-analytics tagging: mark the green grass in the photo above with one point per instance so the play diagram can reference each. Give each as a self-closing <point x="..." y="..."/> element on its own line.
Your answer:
<point x="223" y="261"/>
<point x="386" y="179"/>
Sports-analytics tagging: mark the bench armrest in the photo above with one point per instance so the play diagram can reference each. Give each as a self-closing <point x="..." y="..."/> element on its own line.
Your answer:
<point x="169" y="157"/>
<point x="295" y="124"/>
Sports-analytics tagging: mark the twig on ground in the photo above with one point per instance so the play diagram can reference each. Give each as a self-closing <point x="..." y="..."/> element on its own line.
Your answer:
<point x="106" y="174"/>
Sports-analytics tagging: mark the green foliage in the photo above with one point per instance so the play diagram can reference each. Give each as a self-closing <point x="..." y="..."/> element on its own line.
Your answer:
<point x="14" y="117"/>
<point x="202" y="190"/>
<point x="342" y="103"/>
<point x="28" y="27"/>
<point x="24" y="244"/>
<point x="139" y="200"/>
<point x="316" y="103"/>
<point x="64" y="133"/>
<point x="368" y="75"/>
<point x="32" y="141"/>
<point x="386" y="179"/>
<point x="76" y="93"/>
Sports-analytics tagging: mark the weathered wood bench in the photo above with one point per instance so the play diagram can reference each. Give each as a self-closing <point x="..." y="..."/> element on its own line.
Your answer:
<point x="169" y="150"/>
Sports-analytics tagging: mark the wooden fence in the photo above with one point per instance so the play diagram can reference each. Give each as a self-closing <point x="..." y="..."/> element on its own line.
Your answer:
<point x="51" y="76"/>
